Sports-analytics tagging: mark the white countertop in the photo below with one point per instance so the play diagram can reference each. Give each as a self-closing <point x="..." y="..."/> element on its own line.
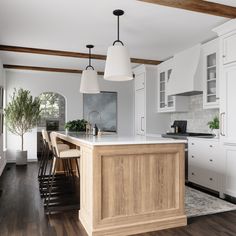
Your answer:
<point x="114" y="139"/>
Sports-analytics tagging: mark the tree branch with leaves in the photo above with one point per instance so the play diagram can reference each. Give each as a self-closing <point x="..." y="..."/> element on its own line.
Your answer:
<point x="22" y="113"/>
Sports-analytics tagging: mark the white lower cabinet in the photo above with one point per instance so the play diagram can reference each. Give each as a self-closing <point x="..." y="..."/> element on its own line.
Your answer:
<point x="205" y="160"/>
<point x="230" y="171"/>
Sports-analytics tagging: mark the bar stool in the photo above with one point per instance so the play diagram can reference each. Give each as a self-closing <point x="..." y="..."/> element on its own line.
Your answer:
<point x="46" y="154"/>
<point x="66" y="156"/>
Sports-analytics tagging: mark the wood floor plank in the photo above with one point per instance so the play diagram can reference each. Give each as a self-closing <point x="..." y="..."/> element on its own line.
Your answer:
<point x="22" y="212"/>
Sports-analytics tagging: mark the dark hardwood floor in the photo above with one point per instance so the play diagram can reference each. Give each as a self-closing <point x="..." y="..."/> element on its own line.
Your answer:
<point x="22" y="212"/>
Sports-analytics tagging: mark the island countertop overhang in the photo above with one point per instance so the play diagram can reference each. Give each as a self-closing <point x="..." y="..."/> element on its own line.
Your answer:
<point x="114" y="139"/>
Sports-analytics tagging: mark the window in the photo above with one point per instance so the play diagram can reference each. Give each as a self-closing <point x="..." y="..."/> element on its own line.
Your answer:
<point x="53" y="108"/>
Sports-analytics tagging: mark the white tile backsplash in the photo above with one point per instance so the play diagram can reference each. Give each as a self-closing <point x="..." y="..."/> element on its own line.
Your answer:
<point x="197" y="117"/>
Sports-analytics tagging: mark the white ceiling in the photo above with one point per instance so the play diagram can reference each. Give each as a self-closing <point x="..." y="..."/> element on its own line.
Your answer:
<point x="150" y="31"/>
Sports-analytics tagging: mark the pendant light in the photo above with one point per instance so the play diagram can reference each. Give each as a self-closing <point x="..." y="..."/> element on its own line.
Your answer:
<point x="89" y="80"/>
<point x="118" y="66"/>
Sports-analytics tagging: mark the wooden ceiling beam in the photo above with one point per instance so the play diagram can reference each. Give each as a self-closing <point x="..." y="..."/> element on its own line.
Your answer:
<point x="206" y="7"/>
<point x="47" y="69"/>
<point x="69" y="54"/>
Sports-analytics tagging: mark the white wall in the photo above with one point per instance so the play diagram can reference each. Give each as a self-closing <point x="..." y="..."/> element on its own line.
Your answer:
<point x="2" y="158"/>
<point x="68" y="86"/>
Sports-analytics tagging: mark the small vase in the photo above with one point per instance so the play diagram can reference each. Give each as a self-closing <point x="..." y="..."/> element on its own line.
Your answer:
<point x="216" y="132"/>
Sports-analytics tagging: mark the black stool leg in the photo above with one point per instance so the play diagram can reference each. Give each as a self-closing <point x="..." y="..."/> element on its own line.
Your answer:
<point x="50" y="184"/>
<point x="41" y="163"/>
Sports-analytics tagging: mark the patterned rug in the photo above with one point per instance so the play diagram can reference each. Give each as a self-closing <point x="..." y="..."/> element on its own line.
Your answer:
<point x="198" y="203"/>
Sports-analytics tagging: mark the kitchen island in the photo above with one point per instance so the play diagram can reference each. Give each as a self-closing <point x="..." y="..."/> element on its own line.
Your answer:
<point x="129" y="185"/>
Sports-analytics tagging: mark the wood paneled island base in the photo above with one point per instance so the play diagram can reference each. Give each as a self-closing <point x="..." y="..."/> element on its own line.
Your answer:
<point x="130" y="188"/>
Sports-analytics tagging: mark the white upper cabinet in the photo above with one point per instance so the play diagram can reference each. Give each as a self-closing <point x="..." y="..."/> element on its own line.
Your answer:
<point x="229" y="49"/>
<point x="227" y="33"/>
<point x="165" y="102"/>
<point x="210" y="65"/>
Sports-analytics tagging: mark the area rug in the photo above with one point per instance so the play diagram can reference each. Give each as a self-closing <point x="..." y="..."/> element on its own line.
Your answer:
<point x="198" y="203"/>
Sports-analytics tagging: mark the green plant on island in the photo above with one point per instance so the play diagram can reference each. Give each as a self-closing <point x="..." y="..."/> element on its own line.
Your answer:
<point x="76" y="125"/>
<point x="22" y="113"/>
<point x="214" y="124"/>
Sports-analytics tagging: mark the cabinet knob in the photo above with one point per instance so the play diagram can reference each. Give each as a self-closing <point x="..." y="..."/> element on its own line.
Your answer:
<point x="224" y="56"/>
<point x="192" y="143"/>
<point x="192" y="156"/>
<point x="211" y="146"/>
<point x="211" y="160"/>
<point x="210" y="179"/>
<point x="192" y="173"/>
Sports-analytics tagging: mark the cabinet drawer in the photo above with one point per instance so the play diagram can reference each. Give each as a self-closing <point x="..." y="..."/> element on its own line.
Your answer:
<point x="194" y="174"/>
<point x="199" y="176"/>
<point x="211" y="181"/>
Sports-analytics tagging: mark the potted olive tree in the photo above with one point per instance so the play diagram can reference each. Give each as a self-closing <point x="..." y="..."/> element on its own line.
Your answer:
<point x="21" y="116"/>
<point x="214" y="126"/>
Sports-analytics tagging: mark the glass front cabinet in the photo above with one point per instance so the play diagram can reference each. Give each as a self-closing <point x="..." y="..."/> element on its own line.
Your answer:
<point x="165" y="102"/>
<point x="211" y="74"/>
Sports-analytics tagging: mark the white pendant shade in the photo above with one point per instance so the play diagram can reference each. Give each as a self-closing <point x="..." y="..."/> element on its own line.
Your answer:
<point x="89" y="82"/>
<point x="118" y="66"/>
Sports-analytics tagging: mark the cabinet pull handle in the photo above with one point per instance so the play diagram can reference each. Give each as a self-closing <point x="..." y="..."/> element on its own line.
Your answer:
<point x="142" y="118"/>
<point x="222" y="127"/>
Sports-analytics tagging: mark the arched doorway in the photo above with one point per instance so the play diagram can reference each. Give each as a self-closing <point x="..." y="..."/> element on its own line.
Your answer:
<point x="53" y="106"/>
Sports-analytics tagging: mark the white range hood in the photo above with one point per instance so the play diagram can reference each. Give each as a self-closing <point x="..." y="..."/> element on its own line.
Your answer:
<point x="186" y="76"/>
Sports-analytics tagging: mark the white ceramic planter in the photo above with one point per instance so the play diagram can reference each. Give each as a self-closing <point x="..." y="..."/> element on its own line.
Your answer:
<point x="216" y="132"/>
<point x="21" y="157"/>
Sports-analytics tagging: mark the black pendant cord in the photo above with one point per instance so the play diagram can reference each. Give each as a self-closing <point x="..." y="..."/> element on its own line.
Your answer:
<point x="90" y="66"/>
<point x="118" y="13"/>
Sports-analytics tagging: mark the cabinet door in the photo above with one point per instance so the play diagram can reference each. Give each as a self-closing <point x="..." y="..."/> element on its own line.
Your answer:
<point x="166" y="103"/>
<point x="229" y="54"/>
<point x="170" y="99"/>
<point x="162" y="90"/>
<point x="140" y="112"/>
<point x="211" y="74"/>
<point x="230" y="173"/>
<point x="227" y="104"/>
<point x="140" y="81"/>
<point x="140" y="122"/>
